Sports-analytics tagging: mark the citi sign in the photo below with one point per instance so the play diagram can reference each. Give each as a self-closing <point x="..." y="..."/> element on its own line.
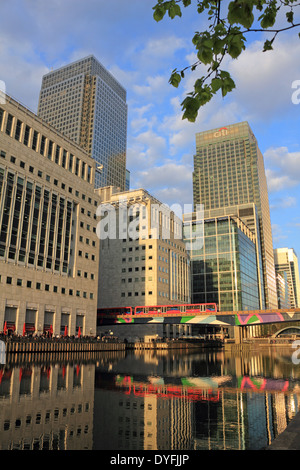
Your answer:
<point x="222" y="132"/>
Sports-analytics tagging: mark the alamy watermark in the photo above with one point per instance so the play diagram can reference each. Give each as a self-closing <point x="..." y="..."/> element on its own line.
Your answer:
<point x="2" y="92"/>
<point x="295" y="358"/>
<point x="134" y="221"/>
<point x="2" y="352"/>
<point x="296" y="93"/>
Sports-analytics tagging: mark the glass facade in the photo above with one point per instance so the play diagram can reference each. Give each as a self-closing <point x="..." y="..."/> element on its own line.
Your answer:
<point x="223" y="263"/>
<point x="229" y="172"/>
<point x="30" y="207"/>
<point x="88" y="105"/>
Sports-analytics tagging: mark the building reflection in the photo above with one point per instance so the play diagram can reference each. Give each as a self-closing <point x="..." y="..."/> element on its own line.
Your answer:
<point x="149" y="401"/>
<point x="47" y="407"/>
<point x="223" y="410"/>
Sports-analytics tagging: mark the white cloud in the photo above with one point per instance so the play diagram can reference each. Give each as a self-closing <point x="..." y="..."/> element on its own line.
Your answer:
<point x="170" y="182"/>
<point x="145" y="150"/>
<point x="282" y="168"/>
<point x="163" y="47"/>
<point x="153" y="87"/>
<point x="277" y="182"/>
<point x="277" y="234"/>
<point x="283" y="203"/>
<point x="263" y="79"/>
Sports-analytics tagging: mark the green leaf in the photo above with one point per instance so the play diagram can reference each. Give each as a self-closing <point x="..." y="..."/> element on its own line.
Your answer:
<point x="198" y="85"/>
<point x="174" y="10"/>
<point x="204" y="45"/>
<point x="268" y="45"/>
<point x="268" y="18"/>
<point x="216" y="84"/>
<point x="218" y="45"/>
<point x="240" y="12"/>
<point x="159" y="12"/>
<point x="235" y="45"/>
<point x="290" y="16"/>
<point x="227" y="85"/>
<point x="191" y="106"/>
<point x="175" y="79"/>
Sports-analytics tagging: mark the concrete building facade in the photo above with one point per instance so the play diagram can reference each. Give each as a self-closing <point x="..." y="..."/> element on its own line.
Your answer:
<point x="48" y="244"/>
<point x="286" y="261"/>
<point x="283" y="290"/>
<point x="143" y="260"/>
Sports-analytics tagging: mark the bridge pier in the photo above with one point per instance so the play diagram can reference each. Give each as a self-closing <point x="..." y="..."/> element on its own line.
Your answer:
<point x="237" y="330"/>
<point x="240" y="333"/>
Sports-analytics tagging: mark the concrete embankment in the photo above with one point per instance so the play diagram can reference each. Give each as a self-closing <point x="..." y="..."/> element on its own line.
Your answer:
<point x="75" y="346"/>
<point x="289" y="439"/>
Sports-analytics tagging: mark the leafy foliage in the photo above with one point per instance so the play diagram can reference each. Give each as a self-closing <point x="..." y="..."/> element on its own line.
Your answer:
<point x="225" y="36"/>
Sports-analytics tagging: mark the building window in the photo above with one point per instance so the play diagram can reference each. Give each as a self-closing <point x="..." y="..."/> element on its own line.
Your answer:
<point x="18" y="130"/>
<point x="9" y="124"/>
<point x="26" y="135"/>
<point x="34" y="140"/>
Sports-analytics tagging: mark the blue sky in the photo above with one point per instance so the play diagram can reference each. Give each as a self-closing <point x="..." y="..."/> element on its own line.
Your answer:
<point x="36" y="36"/>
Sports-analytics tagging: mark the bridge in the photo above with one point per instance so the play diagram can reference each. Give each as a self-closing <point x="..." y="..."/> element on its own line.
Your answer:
<point x="239" y="324"/>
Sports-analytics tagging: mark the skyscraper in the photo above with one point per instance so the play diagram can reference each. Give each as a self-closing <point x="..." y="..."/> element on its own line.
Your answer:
<point x="88" y="105"/>
<point x="286" y="261"/>
<point x="229" y="179"/>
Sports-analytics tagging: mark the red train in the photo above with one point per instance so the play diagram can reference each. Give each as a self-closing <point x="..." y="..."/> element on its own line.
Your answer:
<point x="156" y="310"/>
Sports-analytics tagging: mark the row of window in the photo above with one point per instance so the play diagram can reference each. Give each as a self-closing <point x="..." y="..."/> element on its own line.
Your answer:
<point x="47" y="177"/>
<point x="38" y="286"/>
<point x="142" y="279"/>
<point x="142" y="258"/>
<point x="38" y="418"/>
<point x="138" y="294"/>
<point x="173" y="244"/>
<point x="33" y="139"/>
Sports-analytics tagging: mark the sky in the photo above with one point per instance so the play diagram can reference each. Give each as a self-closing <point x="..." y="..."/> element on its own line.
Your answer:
<point x="37" y="36"/>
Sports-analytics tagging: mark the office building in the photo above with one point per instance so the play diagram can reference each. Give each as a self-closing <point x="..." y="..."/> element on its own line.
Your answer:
<point x="48" y="243"/>
<point x="286" y="261"/>
<point x="87" y="104"/>
<point x="283" y="290"/>
<point x="143" y="260"/>
<point x="127" y="185"/>
<point x="229" y="174"/>
<point x="223" y="262"/>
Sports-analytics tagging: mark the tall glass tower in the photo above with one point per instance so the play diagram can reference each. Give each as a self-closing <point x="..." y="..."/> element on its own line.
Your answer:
<point x="229" y="174"/>
<point x="88" y="105"/>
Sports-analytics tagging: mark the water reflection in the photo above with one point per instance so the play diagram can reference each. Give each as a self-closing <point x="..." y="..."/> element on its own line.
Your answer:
<point x="47" y="406"/>
<point x="148" y="401"/>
